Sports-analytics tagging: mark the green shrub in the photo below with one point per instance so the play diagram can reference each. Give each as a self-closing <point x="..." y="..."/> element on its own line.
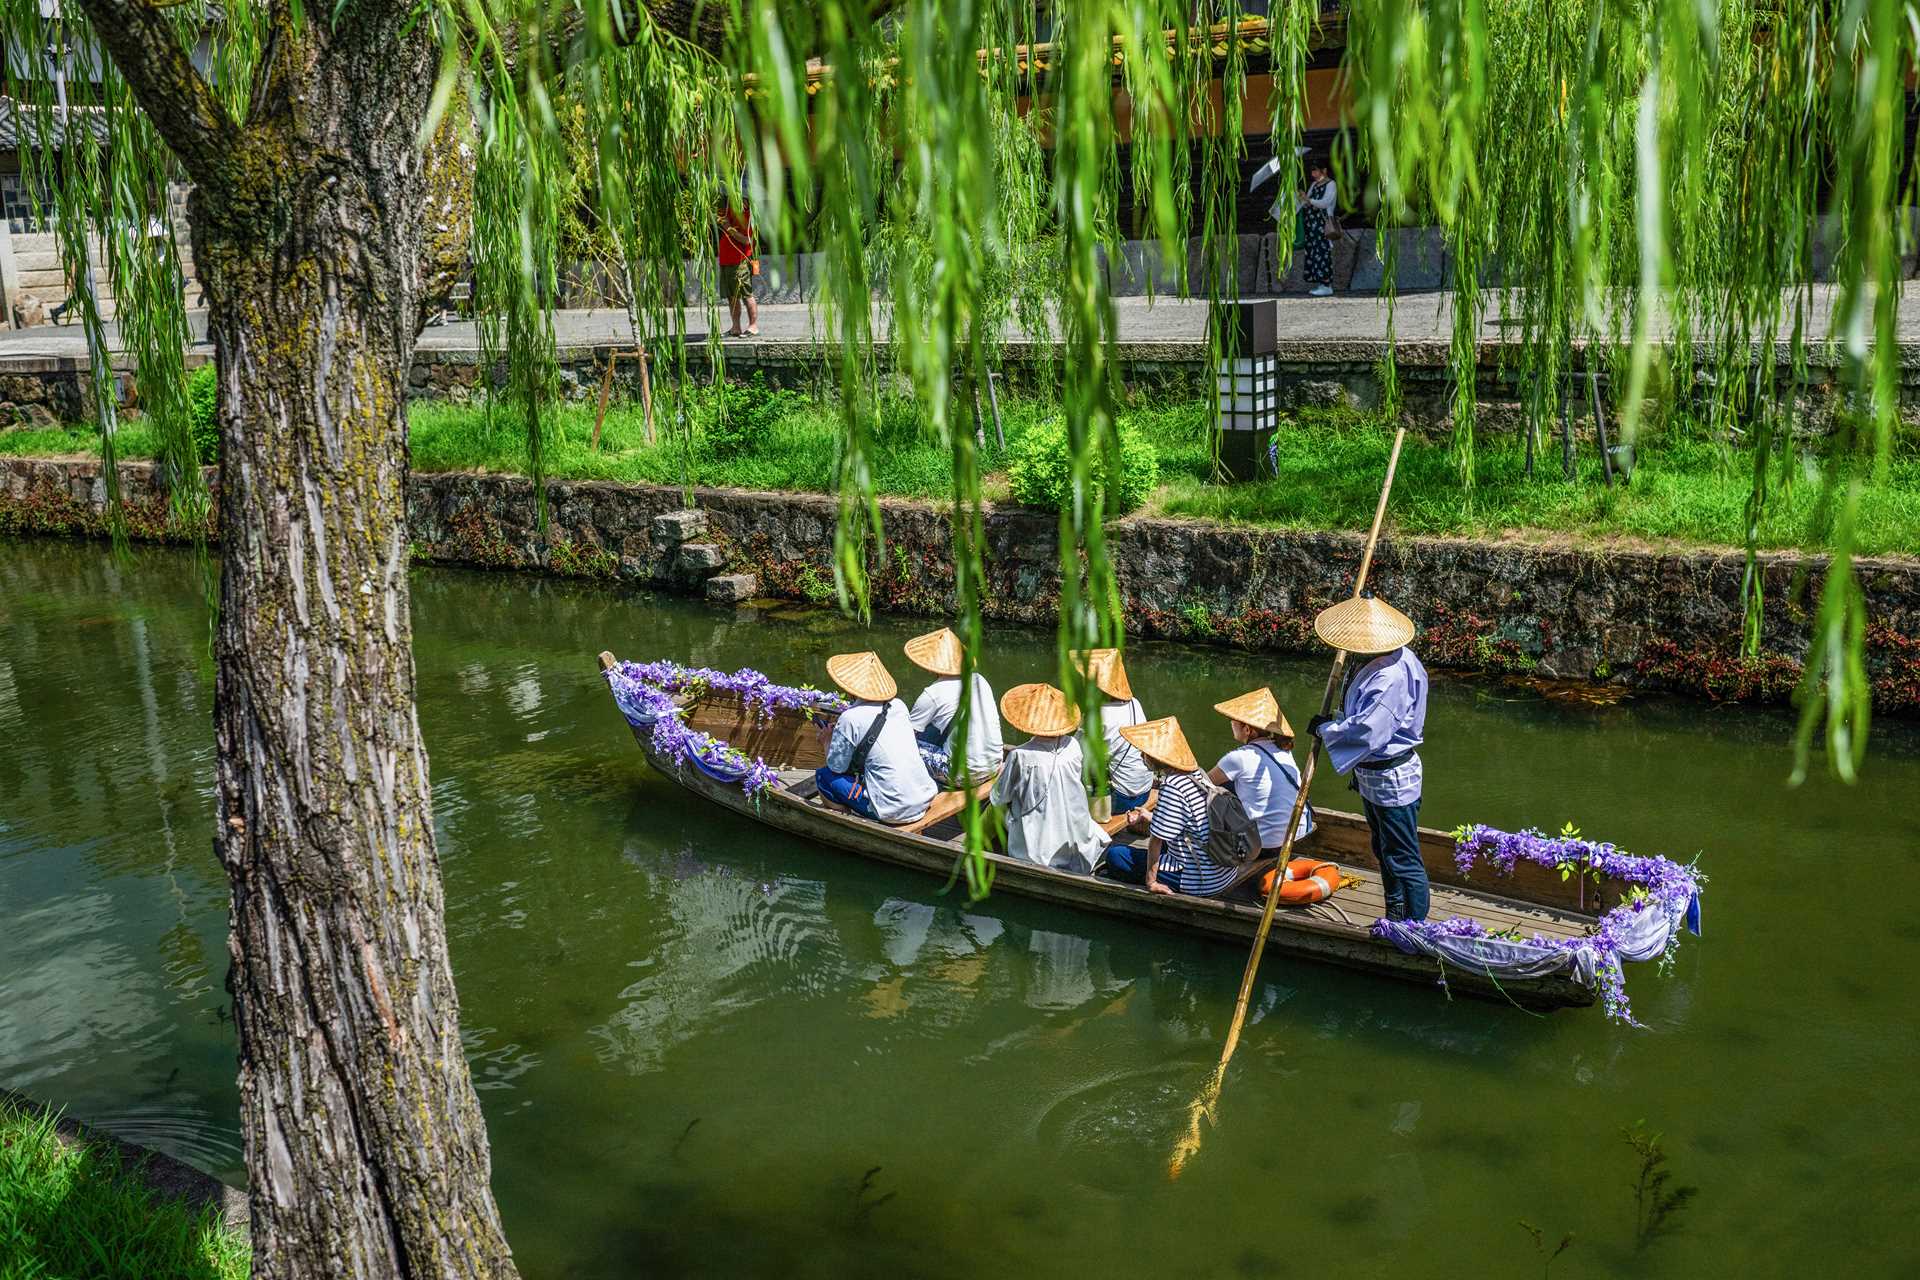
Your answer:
<point x="1038" y="468"/>
<point x="203" y="405"/>
<point x="741" y="414"/>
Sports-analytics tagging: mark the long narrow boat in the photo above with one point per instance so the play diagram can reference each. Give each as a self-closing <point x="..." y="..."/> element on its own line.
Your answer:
<point x="1530" y="900"/>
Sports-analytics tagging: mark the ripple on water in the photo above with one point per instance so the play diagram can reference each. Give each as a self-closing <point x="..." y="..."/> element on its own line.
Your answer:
<point x="1115" y="1133"/>
<point x="181" y="1127"/>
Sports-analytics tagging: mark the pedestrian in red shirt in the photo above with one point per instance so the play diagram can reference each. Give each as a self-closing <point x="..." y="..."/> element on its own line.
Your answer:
<point x="737" y="264"/>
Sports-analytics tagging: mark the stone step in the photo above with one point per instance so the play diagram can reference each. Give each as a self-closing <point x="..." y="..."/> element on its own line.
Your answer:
<point x="698" y="559"/>
<point x="733" y="588"/>
<point x="676" y="527"/>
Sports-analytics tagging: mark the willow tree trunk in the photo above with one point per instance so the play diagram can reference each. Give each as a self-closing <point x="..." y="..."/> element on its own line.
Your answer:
<point x="366" y="1151"/>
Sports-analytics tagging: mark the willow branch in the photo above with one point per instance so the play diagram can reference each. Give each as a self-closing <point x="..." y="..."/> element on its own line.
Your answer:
<point x="169" y="88"/>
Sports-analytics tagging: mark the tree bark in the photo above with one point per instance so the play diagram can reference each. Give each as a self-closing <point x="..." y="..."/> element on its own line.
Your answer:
<point x="366" y="1150"/>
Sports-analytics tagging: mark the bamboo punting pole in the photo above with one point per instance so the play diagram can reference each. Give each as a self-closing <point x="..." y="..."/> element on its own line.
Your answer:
<point x="1204" y="1102"/>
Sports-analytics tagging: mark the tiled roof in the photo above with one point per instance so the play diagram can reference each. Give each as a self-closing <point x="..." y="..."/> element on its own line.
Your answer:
<point x="20" y="124"/>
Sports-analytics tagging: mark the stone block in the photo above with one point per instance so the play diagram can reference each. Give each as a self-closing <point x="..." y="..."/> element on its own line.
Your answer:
<point x="1241" y="276"/>
<point x="676" y="527"/>
<point x="813" y="269"/>
<point x="782" y="278"/>
<point x="1142" y="268"/>
<point x="698" y="559"/>
<point x="733" y="588"/>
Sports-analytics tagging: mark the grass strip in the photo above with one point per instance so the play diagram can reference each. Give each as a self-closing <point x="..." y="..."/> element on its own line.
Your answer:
<point x="74" y="1208"/>
<point x="1686" y="490"/>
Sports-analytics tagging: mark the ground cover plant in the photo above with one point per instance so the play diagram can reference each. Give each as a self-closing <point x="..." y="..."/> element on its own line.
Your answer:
<point x="75" y="1209"/>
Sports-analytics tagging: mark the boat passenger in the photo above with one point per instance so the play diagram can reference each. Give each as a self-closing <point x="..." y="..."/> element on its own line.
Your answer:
<point x="873" y="764"/>
<point x="1261" y="770"/>
<point x="1040" y="786"/>
<point x="1175" y="859"/>
<point x="1376" y="737"/>
<point x="936" y="712"/>
<point x="1129" y="780"/>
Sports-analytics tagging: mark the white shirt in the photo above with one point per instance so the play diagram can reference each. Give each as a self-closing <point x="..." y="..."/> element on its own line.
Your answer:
<point x="898" y="785"/>
<point x="939" y="704"/>
<point x="1268" y="782"/>
<point x="1046" y="802"/>
<point x="1127" y="771"/>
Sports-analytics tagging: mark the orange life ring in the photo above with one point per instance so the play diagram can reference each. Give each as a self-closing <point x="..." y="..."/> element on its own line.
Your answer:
<point x="1307" y="882"/>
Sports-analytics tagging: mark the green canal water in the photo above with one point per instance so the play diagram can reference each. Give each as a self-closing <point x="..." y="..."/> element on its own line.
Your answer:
<point x="705" y="1049"/>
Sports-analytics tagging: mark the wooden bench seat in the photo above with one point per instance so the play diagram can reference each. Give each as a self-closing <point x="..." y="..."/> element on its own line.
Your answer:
<point x="944" y="806"/>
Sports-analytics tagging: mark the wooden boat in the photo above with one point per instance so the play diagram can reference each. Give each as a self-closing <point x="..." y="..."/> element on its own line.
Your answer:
<point x="1532" y="899"/>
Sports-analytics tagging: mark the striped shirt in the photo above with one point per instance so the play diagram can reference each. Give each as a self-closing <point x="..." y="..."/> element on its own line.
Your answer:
<point x="1180" y="823"/>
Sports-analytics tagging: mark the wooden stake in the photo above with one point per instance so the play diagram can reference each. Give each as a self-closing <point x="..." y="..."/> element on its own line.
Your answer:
<point x="606" y="392"/>
<point x="639" y="355"/>
<point x="1204" y="1103"/>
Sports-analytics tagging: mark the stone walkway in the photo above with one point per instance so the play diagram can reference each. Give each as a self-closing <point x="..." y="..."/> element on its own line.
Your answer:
<point x="1420" y="318"/>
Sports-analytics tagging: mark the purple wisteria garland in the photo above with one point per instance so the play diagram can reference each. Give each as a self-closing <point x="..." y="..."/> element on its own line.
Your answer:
<point x="1645" y="924"/>
<point x="647" y="692"/>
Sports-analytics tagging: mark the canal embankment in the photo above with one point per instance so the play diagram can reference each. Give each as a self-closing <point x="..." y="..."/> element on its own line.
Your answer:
<point x="1566" y="610"/>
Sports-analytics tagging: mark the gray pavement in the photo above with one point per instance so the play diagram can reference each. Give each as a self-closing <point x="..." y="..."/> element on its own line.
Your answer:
<point x="1418" y="318"/>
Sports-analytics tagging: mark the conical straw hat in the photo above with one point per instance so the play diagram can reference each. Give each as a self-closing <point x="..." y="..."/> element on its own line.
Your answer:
<point x="863" y="675"/>
<point x="1363" y="625"/>
<point x="936" y="651"/>
<point x="1108" y="672"/>
<point x="1259" y="710"/>
<point x="1162" y="740"/>
<point x="1040" y="710"/>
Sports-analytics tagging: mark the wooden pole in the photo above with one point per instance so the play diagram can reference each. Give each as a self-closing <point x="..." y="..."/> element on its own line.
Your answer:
<point x="1566" y="428"/>
<point x="993" y="399"/>
<point x="1203" y="1104"/>
<point x="646" y="390"/>
<point x="1600" y="427"/>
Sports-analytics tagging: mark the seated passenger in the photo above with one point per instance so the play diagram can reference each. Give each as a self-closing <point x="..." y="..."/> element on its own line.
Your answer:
<point x="873" y="764"/>
<point x="936" y="712"/>
<point x="1261" y="769"/>
<point x="1040" y="784"/>
<point x="1129" y="780"/>
<point x="1176" y="858"/>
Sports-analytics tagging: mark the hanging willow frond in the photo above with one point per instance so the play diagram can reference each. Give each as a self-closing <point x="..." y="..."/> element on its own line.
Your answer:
<point x="1640" y="185"/>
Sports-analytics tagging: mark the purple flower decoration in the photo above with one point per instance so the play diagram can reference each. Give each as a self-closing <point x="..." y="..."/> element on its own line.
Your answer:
<point x="648" y="694"/>
<point x="1645" y="924"/>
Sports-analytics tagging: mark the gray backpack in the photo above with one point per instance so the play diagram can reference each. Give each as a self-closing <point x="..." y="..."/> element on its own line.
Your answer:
<point x="1233" y="838"/>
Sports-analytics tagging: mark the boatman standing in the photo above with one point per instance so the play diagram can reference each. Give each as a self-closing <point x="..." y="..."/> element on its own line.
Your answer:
<point x="1376" y="738"/>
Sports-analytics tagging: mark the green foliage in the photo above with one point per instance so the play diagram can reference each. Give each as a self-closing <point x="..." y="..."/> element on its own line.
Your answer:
<point x="737" y="417"/>
<point x="203" y="409"/>
<point x="73" y="1209"/>
<point x="1041" y="473"/>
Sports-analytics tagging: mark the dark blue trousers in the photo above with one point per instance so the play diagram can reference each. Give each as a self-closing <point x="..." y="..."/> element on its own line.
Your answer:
<point x="1396" y="843"/>
<point x="844" y="789"/>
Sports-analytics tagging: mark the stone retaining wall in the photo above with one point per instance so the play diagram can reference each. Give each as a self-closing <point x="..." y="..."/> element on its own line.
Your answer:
<point x="1669" y="619"/>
